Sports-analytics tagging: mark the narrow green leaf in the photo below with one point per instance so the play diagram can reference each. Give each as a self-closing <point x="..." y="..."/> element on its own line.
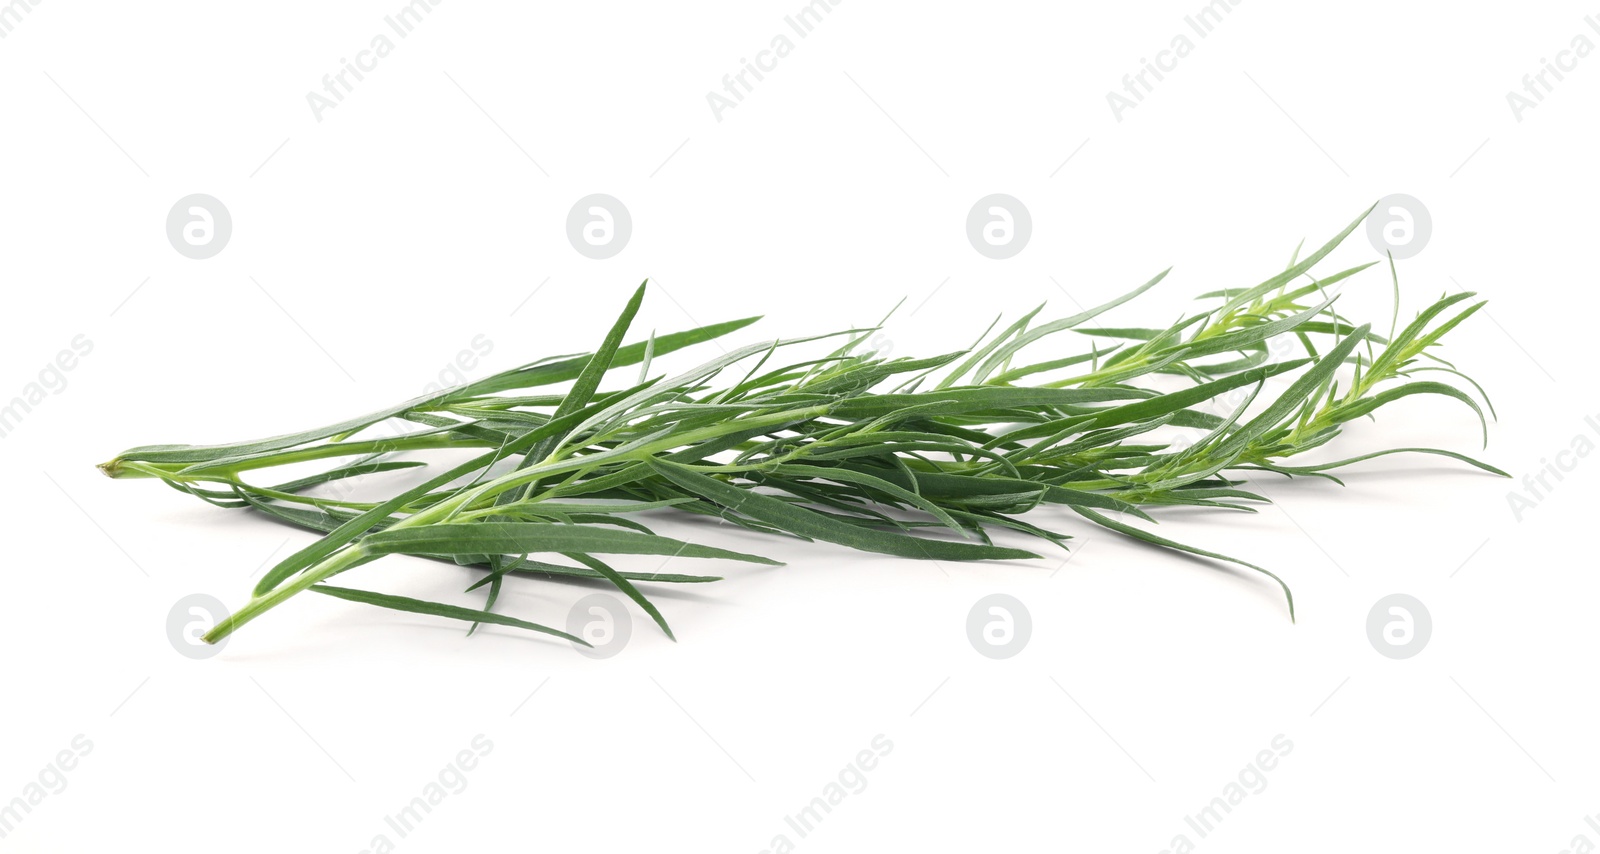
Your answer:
<point x="438" y="609"/>
<point x="477" y="538"/>
<point x="811" y="524"/>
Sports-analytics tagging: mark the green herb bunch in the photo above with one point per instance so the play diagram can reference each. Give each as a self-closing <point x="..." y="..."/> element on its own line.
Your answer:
<point x="918" y="458"/>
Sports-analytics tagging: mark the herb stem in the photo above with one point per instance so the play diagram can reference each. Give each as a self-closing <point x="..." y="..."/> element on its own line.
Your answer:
<point x="347" y="558"/>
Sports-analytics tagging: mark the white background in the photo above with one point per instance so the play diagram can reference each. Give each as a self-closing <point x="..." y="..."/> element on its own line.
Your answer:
<point x="370" y="247"/>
